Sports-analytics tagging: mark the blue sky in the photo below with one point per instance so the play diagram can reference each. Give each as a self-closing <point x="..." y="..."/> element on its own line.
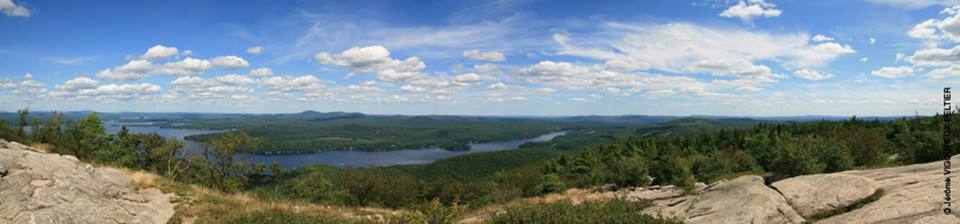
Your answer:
<point x="507" y="57"/>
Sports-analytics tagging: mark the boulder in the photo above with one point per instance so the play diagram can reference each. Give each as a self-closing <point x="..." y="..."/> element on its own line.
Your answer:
<point x="742" y="200"/>
<point x="49" y="188"/>
<point x="822" y="192"/>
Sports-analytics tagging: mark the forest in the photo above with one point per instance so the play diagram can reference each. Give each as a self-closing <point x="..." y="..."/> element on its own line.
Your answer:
<point x="678" y="152"/>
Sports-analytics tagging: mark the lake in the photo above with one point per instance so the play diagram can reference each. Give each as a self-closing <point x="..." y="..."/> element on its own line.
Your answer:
<point x="341" y="158"/>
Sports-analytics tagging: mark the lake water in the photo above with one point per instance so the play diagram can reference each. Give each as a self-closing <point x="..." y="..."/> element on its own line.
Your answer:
<point x="343" y="158"/>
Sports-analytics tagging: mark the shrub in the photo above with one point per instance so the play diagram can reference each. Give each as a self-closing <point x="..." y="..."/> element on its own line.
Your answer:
<point x="614" y="211"/>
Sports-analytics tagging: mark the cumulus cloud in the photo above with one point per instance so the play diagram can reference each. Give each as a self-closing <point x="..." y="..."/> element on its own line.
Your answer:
<point x="27" y="88"/>
<point x="893" y="72"/>
<point x="731" y="68"/>
<point x="141" y="68"/>
<point x="935" y="57"/>
<point x="158" y="52"/>
<point x="133" y="70"/>
<point x="83" y="88"/>
<point x="187" y="66"/>
<point x="229" y="62"/>
<point x="747" y="10"/>
<point x="307" y="83"/>
<point x="821" y="38"/>
<point x="549" y="70"/>
<point x="812" y="75"/>
<point x="122" y="91"/>
<point x="484" y="56"/>
<point x="235" y="79"/>
<point x="197" y="89"/>
<point x="375" y="59"/>
<point x="10" y="8"/>
<point x="261" y="72"/>
<point x="80" y="83"/>
<point x="255" y="50"/>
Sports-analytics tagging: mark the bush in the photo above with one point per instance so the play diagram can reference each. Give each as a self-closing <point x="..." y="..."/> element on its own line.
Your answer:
<point x="615" y="211"/>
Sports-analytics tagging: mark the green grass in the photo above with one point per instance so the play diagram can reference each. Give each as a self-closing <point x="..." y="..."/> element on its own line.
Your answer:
<point x="614" y="211"/>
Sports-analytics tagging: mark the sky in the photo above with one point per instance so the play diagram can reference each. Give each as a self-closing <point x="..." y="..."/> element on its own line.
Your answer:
<point x="500" y="57"/>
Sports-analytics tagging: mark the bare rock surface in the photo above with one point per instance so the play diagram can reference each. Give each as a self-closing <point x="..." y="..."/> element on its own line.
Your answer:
<point x="811" y="194"/>
<point x="742" y="200"/>
<point x="50" y="188"/>
<point x="912" y="194"/>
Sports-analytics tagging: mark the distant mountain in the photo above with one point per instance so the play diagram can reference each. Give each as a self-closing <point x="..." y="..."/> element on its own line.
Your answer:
<point x="322" y="116"/>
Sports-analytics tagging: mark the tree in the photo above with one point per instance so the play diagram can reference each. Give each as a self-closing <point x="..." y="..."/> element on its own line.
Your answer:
<point x="22" y="122"/>
<point x="7" y="132"/>
<point x="86" y="137"/>
<point x="228" y="172"/>
<point x="52" y="131"/>
<point x="164" y="159"/>
<point x="795" y="157"/>
<point x="123" y="132"/>
<point x="550" y="183"/>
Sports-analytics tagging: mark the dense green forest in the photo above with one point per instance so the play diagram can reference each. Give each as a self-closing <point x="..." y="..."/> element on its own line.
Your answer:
<point x="775" y="149"/>
<point x="679" y="152"/>
<point x="304" y="133"/>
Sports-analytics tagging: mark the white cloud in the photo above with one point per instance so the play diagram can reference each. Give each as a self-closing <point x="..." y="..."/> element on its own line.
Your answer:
<point x="28" y="88"/>
<point x="80" y="83"/>
<point x="141" y="68"/>
<point x="731" y="68"/>
<point x="812" y="75"/>
<point x="864" y="59"/>
<point x="187" y="66"/>
<point x="123" y="91"/>
<point x="549" y="70"/>
<point x="936" y="57"/>
<point x="197" y="89"/>
<point x="821" y="38"/>
<point x="10" y="8"/>
<point x="158" y="52"/>
<point x="673" y="47"/>
<point x="469" y="78"/>
<point x="872" y="40"/>
<point x="893" y="72"/>
<point x="255" y="50"/>
<point x="484" y="56"/>
<point x="498" y="85"/>
<point x="133" y="70"/>
<point x="949" y="71"/>
<point x="230" y="62"/>
<point x="375" y="59"/>
<point x="747" y="10"/>
<point x="261" y="72"/>
<point x="308" y="83"/>
<point x="235" y="79"/>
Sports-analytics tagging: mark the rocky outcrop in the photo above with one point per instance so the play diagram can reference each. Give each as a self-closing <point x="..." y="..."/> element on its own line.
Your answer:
<point x="742" y="200"/>
<point x="49" y="188"/>
<point x="912" y="194"/>
<point x="823" y="192"/>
